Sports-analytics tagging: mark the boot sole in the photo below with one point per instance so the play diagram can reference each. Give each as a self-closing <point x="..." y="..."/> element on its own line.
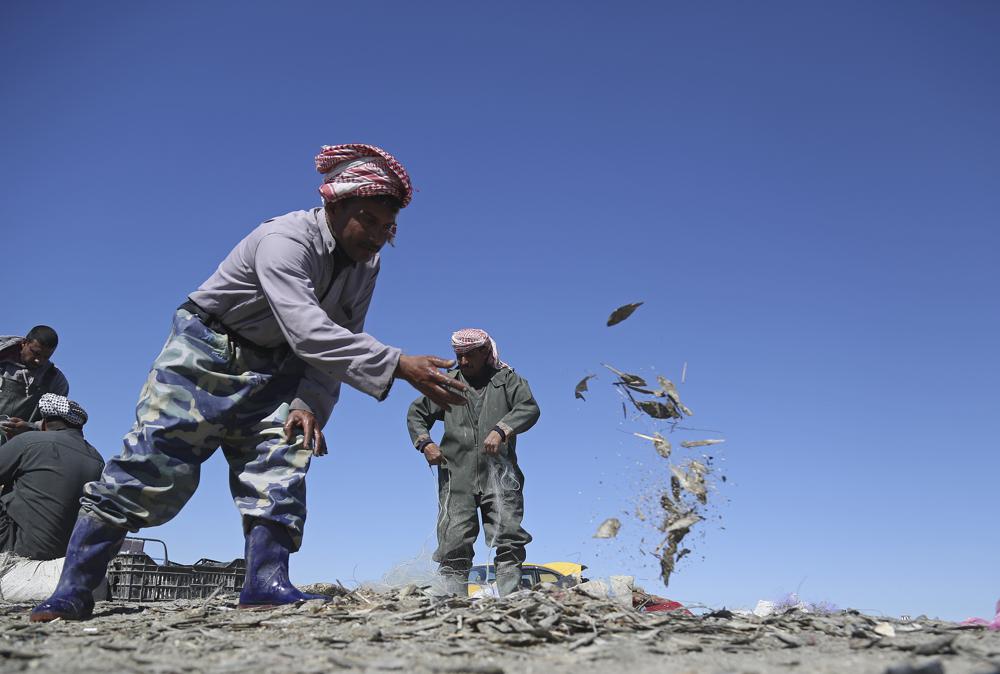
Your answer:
<point x="50" y="616"/>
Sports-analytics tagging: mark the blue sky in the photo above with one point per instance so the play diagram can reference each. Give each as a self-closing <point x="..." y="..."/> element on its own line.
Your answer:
<point x="804" y="195"/>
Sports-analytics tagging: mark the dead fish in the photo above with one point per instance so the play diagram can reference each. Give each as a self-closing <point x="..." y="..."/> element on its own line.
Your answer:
<point x="657" y="410"/>
<point x="609" y="528"/>
<point x="629" y="380"/>
<point x="581" y="388"/>
<point x="692" y="480"/>
<point x="622" y="312"/>
<point x="684" y="372"/>
<point x="688" y="444"/>
<point x="661" y="444"/>
<point x="667" y="389"/>
<point x="683" y="523"/>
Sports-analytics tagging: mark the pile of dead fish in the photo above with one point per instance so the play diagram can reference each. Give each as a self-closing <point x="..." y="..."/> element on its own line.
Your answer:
<point x="683" y="502"/>
<point x="411" y="630"/>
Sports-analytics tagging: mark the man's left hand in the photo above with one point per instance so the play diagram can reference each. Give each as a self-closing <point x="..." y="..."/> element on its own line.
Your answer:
<point x="312" y="435"/>
<point x="492" y="443"/>
<point x="15" y="426"/>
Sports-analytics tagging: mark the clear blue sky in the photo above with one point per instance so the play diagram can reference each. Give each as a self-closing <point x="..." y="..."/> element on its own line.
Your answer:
<point x="805" y="195"/>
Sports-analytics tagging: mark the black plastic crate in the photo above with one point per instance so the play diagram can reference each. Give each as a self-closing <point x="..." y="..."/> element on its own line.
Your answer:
<point x="135" y="576"/>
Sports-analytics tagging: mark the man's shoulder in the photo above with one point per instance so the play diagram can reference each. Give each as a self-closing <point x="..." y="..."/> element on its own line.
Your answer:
<point x="28" y="441"/>
<point x="9" y="342"/>
<point x="57" y="381"/>
<point x="71" y="439"/>
<point x="506" y="375"/>
<point x="291" y="223"/>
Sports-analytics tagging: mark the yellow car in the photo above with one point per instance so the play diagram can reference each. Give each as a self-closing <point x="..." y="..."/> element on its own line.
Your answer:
<point x="561" y="574"/>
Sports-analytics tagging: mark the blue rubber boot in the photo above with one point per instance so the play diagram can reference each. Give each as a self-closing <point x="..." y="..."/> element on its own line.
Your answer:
<point x="93" y="543"/>
<point x="267" y="584"/>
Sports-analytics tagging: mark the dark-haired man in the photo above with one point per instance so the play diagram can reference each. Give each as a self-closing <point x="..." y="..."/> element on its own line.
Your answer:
<point x="43" y="473"/>
<point x="477" y="462"/>
<point x="26" y="374"/>
<point x="259" y="350"/>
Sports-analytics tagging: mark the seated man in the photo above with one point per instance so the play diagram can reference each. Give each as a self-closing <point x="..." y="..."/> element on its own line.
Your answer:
<point x="477" y="462"/>
<point x="26" y="374"/>
<point x="43" y="473"/>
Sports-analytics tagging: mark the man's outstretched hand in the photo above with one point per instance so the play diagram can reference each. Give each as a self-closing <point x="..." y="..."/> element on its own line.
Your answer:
<point x="423" y="374"/>
<point x="312" y="434"/>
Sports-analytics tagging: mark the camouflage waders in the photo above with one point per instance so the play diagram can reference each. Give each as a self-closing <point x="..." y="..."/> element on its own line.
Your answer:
<point x="206" y="391"/>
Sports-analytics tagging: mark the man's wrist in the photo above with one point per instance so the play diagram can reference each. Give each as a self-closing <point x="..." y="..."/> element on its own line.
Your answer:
<point x="501" y="432"/>
<point x="422" y="444"/>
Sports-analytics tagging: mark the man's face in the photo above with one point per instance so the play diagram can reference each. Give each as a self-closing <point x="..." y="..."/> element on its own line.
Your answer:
<point x="362" y="226"/>
<point x="473" y="363"/>
<point x="34" y="355"/>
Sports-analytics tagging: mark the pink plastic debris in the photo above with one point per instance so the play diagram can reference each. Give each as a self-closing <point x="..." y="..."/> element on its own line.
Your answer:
<point x="991" y="625"/>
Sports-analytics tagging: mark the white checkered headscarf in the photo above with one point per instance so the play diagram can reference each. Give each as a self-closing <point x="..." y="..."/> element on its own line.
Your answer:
<point x="53" y="406"/>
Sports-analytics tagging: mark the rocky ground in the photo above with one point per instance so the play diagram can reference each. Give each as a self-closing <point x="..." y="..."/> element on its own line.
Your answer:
<point x="550" y="632"/>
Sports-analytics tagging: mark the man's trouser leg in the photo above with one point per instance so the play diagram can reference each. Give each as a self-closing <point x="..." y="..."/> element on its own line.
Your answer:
<point x="503" y="510"/>
<point x="8" y="532"/>
<point x="267" y="477"/>
<point x="181" y="419"/>
<point x="457" y="530"/>
<point x="194" y="384"/>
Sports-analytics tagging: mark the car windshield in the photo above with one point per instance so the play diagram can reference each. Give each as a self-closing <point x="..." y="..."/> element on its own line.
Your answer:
<point x="480" y="575"/>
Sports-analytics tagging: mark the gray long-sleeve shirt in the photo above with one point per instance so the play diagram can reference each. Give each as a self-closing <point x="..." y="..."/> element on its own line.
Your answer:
<point x="278" y="286"/>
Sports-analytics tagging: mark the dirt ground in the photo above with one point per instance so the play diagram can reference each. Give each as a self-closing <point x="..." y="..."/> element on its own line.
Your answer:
<point x="548" y="632"/>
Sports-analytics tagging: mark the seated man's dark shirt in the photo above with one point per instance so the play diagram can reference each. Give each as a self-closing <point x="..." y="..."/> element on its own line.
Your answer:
<point x="43" y="473"/>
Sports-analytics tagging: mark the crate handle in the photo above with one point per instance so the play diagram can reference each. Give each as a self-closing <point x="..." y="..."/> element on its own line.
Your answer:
<point x="166" y="557"/>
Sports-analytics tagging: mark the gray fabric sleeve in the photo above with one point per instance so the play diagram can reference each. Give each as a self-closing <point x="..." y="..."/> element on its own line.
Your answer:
<point x="317" y="393"/>
<point x="524" y="410"/>
<point x="421" y="417"/>
<point x="283" y="268"/>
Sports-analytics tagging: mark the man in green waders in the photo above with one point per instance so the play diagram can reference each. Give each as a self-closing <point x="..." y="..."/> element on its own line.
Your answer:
<point x="477" y="462"/>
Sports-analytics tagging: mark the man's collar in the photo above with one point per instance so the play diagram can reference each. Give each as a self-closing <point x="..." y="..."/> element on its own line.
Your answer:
<point x="330" y="241"/>
<point x="326" y="232"/>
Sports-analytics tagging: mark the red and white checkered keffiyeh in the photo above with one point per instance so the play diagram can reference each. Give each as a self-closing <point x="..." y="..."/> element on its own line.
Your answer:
<point x="357" y="170"/>
<point x="468" y="339"/>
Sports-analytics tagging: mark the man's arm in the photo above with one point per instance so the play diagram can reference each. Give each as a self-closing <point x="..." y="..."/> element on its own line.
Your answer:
<point x="360" y="360"/>
<point x="420" y="418"/>
<point x="318" y="392"/>
<point x="524" y="410"/>
<point x="283" y="268"/>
